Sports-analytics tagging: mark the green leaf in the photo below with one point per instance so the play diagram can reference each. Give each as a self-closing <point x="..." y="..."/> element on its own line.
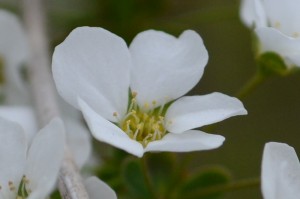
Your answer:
<point x="271" y="63"/>
<point x="205" y="184"/>
<point x="134" y="180"/>
<point x="162" y="168"/>
<point x="55" y="195"/>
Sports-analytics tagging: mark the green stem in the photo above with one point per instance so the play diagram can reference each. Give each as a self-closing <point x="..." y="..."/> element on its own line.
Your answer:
<point x="251" y="85"/>
<point x="241" y="184"/>
<point x="147" y="177"/>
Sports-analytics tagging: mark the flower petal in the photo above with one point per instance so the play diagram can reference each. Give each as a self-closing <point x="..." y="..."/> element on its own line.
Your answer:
<point x="44" y="159"/>
<point x="164" y="67"/>
<point x="13" y="41"/>
<point x="280" y="172"/>
<point x="107" y="132"/>
<point x="191" y="140"/>
<point x="93" y="64"/>
<point x="22" y="115"/>
<point x="273" y="40"/>
<point x="79" y="141"/>
<point x="14" y="47"/>
<point x="283" y="15"/>
<point x="97" y="188"/>
<point x="195" y="111"/>
<point x="13" y="147"/>
<point x="253" y="14"/>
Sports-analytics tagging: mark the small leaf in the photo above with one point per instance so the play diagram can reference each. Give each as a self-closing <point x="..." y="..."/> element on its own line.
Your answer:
<point x="110" y="170"/>
<point x="202" y="184"/>
<point x="162" y="168"/>
<point x="271" y="63"/>
<point x="134" y="180"/>
<point x="55" y="195"/>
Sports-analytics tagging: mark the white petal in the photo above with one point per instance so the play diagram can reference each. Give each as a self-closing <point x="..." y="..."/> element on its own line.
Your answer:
<point x="79" y="141"/>
<point x="191" y="140"/>
<point x="98" y="189"/>
<point x="284" y="15"/>
<point x="16" y="95"/>
<point x="14" y="47"/>
<point x="273" y="40"/>
<point x="22" y="115"/>
<point x="69" y="111"/>
<point x="253" y="13"/>
<point x="44" y="159"/>
<point x="280" y="172"/>
<point x="93" y="64"/>
<point x="107" y="132"/>
<point x="13" y="147"/>
<point x="196" y="111"/>
<point x="164" y="67"/>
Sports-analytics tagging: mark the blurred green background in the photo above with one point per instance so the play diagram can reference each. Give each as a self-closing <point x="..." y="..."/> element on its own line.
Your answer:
<point x="273" y="107"/>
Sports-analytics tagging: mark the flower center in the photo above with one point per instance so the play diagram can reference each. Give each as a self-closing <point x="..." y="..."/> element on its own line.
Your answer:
<point x="22" y="192"/>
<point x="144" y="124"/>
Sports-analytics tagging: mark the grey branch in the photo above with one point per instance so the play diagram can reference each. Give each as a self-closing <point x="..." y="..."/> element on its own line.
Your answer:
<point x="44" y="95"/>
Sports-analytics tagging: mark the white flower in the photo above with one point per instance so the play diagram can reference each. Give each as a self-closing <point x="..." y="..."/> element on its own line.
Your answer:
<point x="77" y="136"/>
<point x="14" y="52"/>
<point x="280" y="172"/>
<point x="125" y="93"/>
<point x="29" y="171"/>
<point x="277" y="26"/>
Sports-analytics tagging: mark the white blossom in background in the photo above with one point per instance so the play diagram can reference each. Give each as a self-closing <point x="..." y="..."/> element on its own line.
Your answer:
<point x="98" y="189"/>
<point x="14" y="53"/>
<point x="29" y="171"/>
<point x="29" y="168"/>
<point x="125" y="93"/>
<point x="276" y="25"/>
<point x="77" y="136"/>
<point x="280" y="177"/>
<point x="23" y="115"/>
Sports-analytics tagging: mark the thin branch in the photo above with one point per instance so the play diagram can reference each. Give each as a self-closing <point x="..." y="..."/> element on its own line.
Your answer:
<point x="44" y="95"/>
<point x="251" y="85"/>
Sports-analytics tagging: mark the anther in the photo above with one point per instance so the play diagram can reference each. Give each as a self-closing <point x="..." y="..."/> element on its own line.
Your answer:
<point x="277" y="24"/>
<point x="115" y="114"/>
<point x="146" y="106"/>
<point x="134" y="94"/>
<point x="11" y="186"/>
<point x="154" y="102"/>
<point x="25" y="179"/>
<point x="295" y="34"/>
<point x="155" y="127"/>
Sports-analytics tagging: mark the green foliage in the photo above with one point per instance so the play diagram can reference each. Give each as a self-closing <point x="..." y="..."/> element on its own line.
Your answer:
<point x="110" y="171"/>
<point x="55" y="195"/>
<point x="134" y="181"/>
<point x="206" y="184"/>
<point x="162" y="168"/>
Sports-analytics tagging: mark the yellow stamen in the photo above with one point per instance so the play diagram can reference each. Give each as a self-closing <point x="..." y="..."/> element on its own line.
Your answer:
<point x="143" y="124"/>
